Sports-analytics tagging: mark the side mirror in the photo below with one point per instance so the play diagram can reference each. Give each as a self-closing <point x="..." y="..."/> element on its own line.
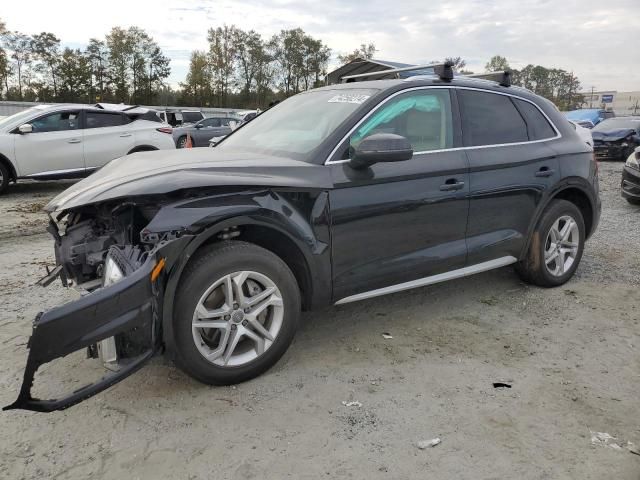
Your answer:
<point x="198" y="125"/>
<point x="381" y="147"/>
<point x="25" y="128"/>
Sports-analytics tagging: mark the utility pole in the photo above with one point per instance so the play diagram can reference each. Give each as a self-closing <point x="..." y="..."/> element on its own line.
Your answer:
<point x="591" y="98"/>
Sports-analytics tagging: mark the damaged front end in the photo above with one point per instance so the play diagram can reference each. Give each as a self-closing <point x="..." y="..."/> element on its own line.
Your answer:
<point x="117" y="319"/>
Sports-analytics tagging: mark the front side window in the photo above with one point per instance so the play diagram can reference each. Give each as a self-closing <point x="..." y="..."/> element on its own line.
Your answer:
<point x="490" y="119"/>
<point x="100" y="120"/>
<point x="423" y="117"/>
<point x="56" y="122"/>
<point x="210" y="122"/>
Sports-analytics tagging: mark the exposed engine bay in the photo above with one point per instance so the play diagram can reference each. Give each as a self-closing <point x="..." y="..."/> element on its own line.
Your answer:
<point x="84" y="237"/>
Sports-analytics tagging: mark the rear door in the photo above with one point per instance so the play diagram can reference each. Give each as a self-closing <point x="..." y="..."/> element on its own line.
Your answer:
<point x="54" y="147"/>
<point x="511" y="168"/>
<point x="393" y="223"/>
<point x="106" y="137"/>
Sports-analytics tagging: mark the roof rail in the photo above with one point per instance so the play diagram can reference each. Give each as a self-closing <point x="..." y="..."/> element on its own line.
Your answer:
<point x="443" y="70"/>
<point x="503" y="78"/>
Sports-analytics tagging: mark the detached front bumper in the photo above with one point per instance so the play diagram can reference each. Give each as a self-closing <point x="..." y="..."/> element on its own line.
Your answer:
<point x="131" y="304"/>
<point x="631" y="183"/>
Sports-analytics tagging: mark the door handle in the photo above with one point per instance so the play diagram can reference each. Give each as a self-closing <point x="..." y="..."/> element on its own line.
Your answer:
<point x="74" y="140"/>
<point x="545" y="172"/>
<point x="125" y="135"/>
<point x="451" y="184"/>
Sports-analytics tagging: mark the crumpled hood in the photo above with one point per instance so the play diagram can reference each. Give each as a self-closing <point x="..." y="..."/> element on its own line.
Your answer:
<point x="164" y="171"/>
<point x="612" y="135"/>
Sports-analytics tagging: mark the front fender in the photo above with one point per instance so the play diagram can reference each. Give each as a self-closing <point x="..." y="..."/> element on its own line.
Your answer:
<point x="301" y="217"/>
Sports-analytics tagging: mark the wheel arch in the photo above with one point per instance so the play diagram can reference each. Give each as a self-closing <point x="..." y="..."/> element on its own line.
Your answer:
<point x="13" y="175"/>
<point x="142" y="148"/>
<point x="314" y="289"/>
<point x="575" y="193"/>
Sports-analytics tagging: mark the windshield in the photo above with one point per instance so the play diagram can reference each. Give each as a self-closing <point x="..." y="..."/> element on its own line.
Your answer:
<point x="297" y="126"/>
<point x="617" y="124"/>
<point x="18" y="118"/>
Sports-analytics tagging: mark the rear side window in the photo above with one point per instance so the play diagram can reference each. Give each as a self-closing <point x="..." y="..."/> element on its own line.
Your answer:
<point x="490" y="119"/>
<point x="100" y="120"/>
<point x="538" y="126"/>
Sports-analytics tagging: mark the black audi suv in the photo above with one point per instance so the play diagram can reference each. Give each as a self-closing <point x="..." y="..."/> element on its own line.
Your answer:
<point x="336" y="195"/>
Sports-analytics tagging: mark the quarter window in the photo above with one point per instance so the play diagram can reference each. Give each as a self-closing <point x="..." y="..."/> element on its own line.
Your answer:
<point x="538" y="126"/>
<point x="56" y="122"/>
<point x="490" y="119"/>
<point x="100" y="120"/>
<point x="422" y="116"/>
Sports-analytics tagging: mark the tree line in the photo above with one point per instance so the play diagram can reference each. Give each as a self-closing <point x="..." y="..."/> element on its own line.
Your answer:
<point x="555" y="84"/>
<point x="126" y="66"/>
<point x="239" y="68"/>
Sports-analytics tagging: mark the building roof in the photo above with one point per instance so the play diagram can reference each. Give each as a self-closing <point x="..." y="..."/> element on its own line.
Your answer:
<point x="361" y="65"/>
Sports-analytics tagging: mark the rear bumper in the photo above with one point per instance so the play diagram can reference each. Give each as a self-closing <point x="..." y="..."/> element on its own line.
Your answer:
<point x="130" y="304"/>
<point x="630" y="183"/>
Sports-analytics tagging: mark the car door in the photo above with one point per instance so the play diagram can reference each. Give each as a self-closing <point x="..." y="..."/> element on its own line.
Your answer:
<point x="511" y="167"/>
<point x="202" y="131"/>
<point x="53" y="148"/>
<point x="398" y="222"/>
<point x="106" y="136"/>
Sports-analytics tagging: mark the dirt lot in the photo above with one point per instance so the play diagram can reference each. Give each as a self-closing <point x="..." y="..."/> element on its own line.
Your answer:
<point x="571" y="355"/>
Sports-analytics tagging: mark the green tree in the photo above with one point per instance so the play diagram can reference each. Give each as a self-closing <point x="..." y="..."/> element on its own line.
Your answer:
<point x="19" y="46"/>
<point x="556" y="85"/>
<point x="74" y="75"/>
<point x="196" y="89"/>
<point x="222" y="54"/>
<point x="497" y="63"/>
<point x="120" y="58"/>
<point x="5" y="71"/>
<point x="45" y="48"/>
<point x="364" y="52"/>
<point x="98" y="56"/>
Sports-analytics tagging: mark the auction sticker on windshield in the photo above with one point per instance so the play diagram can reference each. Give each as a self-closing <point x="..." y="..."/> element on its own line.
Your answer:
<point x="347" y="98"/>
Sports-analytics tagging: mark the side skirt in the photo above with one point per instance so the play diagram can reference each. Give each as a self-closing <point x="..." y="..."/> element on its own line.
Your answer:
<point x="441" y="277"/>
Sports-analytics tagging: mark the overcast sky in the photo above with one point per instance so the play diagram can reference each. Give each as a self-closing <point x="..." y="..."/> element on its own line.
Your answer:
<point x="597" y="40"/>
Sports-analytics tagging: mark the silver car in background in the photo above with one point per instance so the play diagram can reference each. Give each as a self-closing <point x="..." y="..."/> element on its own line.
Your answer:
<point x="204" y="130"/>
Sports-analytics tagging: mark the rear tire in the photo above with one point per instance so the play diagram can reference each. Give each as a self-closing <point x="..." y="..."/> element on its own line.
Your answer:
<point x="211" y="355"/>
<point x="4" y="178"/>
<point x="556" y="246"/>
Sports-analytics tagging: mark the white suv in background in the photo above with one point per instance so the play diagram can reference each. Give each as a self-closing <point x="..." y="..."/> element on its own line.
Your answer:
<point x="49" y="142"/>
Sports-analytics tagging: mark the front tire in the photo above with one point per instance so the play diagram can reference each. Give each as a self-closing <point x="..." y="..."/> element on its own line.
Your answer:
<point x="236" y="313"/>
<point x="556" y="246"/>
<point x="633" y="201"/>
<point x="182" y="142"/>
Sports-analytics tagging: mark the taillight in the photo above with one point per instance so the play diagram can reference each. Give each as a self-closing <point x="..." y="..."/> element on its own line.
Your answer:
<point x="168" y="130"/>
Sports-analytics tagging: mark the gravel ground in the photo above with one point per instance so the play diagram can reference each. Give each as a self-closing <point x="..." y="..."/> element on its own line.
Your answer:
<point x="570" y="354"/>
